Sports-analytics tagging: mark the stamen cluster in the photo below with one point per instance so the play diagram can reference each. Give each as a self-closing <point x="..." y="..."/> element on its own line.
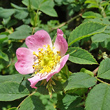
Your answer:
<point x="46" y="60"/>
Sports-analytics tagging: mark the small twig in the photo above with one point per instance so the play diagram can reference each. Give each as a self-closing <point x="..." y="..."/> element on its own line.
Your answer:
<point x="25" y="98"/>
<point x="67" y="22"/>
<point x="95" y="71"/>
<point x="102" y="81"/>
<point x="33" y="29"/>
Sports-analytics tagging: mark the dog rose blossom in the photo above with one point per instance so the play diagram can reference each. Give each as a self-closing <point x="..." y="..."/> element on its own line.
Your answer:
<point x="41" y="57"/>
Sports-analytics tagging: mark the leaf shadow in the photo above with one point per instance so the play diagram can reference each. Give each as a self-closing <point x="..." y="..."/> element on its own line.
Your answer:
<point x="21" y="88"/>
<point x="25" y="84"/>
<point x="38" y="105"/>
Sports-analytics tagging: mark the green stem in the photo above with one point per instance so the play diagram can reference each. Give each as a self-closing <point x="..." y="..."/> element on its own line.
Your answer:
<point x="33" y="29"/>
<point x="25" y="98"/>
<point x="95" y="71"/>
<point x="102" y="11"/>
<point x="29" y="6"/>
<point x="102" y="81"/>
<point x="67" y="22"/>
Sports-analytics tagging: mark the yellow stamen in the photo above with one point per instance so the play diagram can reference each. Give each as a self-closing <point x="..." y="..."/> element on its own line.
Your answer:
<point x="47" y="60"/>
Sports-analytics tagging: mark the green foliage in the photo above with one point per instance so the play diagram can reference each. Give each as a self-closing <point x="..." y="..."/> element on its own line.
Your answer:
<point x="16" y="78"/>
<point x="3" y="38"/>
<point x="21" y="32"/>
<point x="38" y="101"/>
<point x="80" y="56"/>
<point x="93" y="3"/>
<point x="80" y="80"/>
<point x="100" y="37"/>
<point x="104" y="69"/>
<point x="32" y="102"/>
<point x="80" y="85"/>
<point x="98" y="96"/>
<point x="6" y="13"/>
<point x="3" y="56"/>
<point x="91" y="14"/>
<point x="69" y="102"/>
<point x="12" y="90"/>
<point x="85" y="30"/>
<point x="42" y="5"/>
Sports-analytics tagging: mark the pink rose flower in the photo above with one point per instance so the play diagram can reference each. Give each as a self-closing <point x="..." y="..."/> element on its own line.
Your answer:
<point x="41" y="57"/>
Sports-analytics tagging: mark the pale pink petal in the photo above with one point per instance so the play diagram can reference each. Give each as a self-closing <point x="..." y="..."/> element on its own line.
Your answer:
<point x="37" y="40"/>
<point x="38" y="77"/>
<point x="35" y="79"/>
<point x="60" y="43"/>
<point x="63" y="62"/>
<point x="25" y="61"/>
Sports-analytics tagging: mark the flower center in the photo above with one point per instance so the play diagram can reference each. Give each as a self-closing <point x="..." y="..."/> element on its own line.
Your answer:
<point x="46" y="60"/>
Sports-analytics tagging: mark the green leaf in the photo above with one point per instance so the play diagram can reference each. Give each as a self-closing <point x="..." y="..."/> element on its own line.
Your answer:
<point x="1" y="26"/>
<point x="6" y="20"/>
<point x="91" y="14"/>
<point x="48" y="9"/>
<point x="98" y="98"/>
<point x="11" y="23"/>
<point x="37" y="101"/>
<point x="58" y="2"/>
<point x="80" y="56"/>
<point x="104" y="21"/>
<point x="20" y="14"/>
<point x="104" y="69"/>
<point x="80" y="80"/>
<point x="16" y="78"/>
<point x="21" y="32"/>
<point x="58" y="87"/>
<point x="33" y="3"/>
<point x="18" y="7"/>
<point x="93" y="46"/>
<point x="107" y="30"/>
<point x="78" y="91"/>
<point x="92" y="6"/>
<point x="104" y="3"/>
<point x="5" y="13"/>
<point x="3" y="56"/>
<point x="48" y="102"/>
<point x="69" y="102"/>
<point x="46" y="6"/>
<point x="100" y="37"/>
<point x="3" y="38"/>
<point x="24" y="27"/>
<point x="12" y="90"/>
<point x="32" y="102"/>
<point x="93" y="3"/>
<point x="85" y="30"/>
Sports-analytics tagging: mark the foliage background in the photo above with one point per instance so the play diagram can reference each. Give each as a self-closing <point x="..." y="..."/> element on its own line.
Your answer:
<point x="86" y="25"/>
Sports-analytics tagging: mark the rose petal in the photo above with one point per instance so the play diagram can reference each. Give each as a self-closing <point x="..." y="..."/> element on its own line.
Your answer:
<point x="60" y="43"/>
<point x="37" y="40"/>
<point x="25" y="61"/>
<point x="38" y="77"/>
<point x="34" y="80"/>
<point x="63" y="62"/>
